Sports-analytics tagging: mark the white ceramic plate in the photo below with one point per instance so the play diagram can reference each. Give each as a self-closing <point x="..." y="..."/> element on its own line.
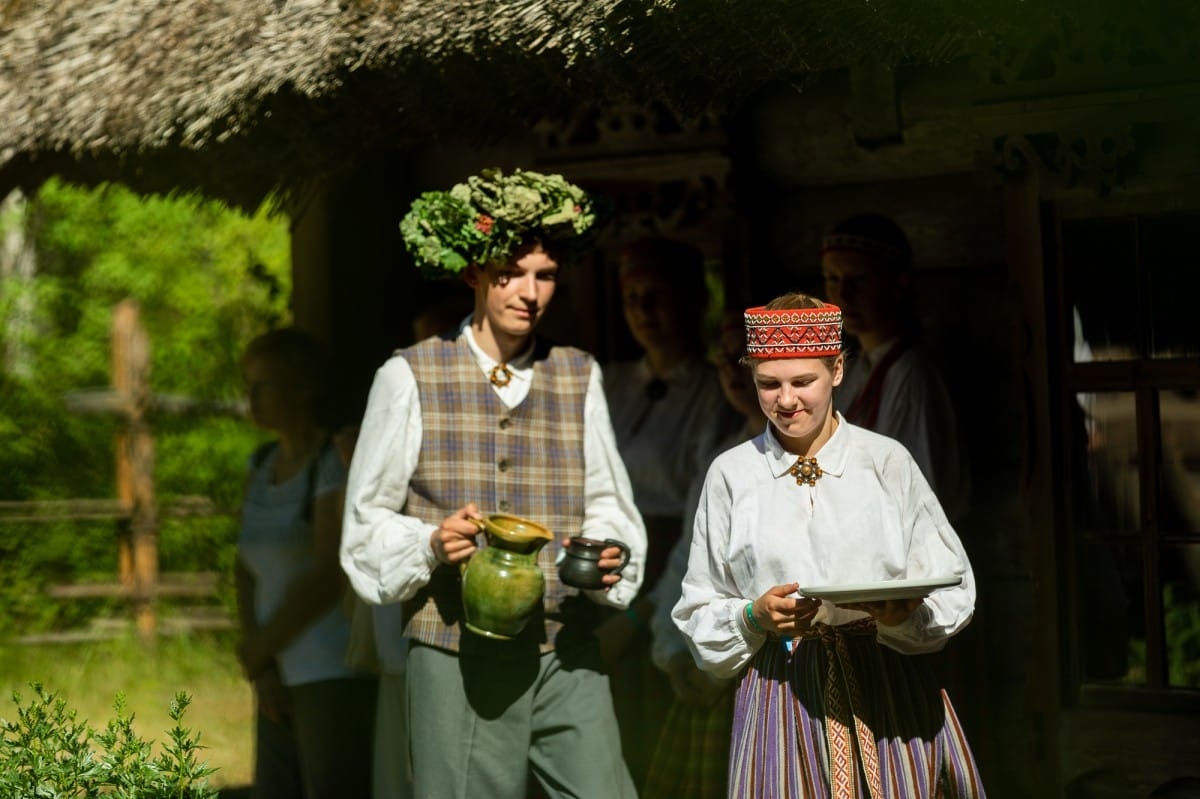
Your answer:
<point x="876" y="592"/>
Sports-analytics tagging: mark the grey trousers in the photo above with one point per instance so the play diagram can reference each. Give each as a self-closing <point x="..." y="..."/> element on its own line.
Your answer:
<point x="478" y="725"/>
<point x="323" y="751"/>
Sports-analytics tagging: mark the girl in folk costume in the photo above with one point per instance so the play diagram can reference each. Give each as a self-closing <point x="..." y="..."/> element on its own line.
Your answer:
<point x="830" y="702"/>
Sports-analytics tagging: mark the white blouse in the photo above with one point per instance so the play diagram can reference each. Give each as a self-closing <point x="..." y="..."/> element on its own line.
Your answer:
<point x="871" y="517"/>
<point x="275" y="544"/>
<point x="666" y="443"/>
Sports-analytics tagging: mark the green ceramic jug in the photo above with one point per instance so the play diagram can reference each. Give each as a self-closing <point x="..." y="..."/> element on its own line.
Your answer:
<point x="502" y="584"/>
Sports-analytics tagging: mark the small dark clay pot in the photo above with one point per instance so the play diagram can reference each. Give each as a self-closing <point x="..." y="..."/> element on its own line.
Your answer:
<point x="580" y="566"/>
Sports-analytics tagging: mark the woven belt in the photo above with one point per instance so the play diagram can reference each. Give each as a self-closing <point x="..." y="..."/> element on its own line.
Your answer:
<point x="844" y="699"/>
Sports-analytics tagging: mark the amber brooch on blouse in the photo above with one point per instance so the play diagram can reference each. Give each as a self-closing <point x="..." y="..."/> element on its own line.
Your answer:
<point x="500" y="376"/>
<point x="806" y="471"/>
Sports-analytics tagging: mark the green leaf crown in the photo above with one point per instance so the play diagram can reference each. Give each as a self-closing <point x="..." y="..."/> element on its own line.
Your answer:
<point x="487" y="218"/>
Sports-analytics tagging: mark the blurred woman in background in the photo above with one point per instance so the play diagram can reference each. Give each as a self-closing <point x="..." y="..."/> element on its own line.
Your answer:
<point x="315" y="714"/>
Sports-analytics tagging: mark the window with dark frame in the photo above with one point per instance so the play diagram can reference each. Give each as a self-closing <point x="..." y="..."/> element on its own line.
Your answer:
<point x="1129" y="324"/>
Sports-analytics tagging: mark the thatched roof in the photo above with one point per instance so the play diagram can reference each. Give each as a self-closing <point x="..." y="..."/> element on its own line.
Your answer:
<point x="235" y="96"/>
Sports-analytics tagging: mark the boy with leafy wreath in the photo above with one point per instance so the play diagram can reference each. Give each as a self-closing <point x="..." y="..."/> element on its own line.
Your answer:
<point x="489" y="418"/>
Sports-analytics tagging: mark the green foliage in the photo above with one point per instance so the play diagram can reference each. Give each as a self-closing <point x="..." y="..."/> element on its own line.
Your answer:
<point x="48" y="553"/>
<point x="207" y="280"/>
<point x="49" y="752"/>
<point x="1182" y="621"/>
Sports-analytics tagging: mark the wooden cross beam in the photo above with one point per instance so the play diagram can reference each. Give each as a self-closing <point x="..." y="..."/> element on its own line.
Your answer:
<point x="110" y="402"/>
<point x="74" y="510"/>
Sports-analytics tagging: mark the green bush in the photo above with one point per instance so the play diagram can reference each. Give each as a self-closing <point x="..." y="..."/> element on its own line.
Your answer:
<point x="1183" y="638"/>
<point x="48" y="752"/>
<point x="1181" y="618"/>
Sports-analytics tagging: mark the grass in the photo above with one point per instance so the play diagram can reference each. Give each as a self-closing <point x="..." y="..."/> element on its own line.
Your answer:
<point x="89" y="677"/>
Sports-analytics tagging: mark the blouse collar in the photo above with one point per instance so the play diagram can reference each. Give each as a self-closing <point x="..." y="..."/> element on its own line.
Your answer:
<point x="831" y="456"/>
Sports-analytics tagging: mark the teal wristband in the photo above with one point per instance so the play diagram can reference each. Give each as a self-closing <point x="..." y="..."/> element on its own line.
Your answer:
<point x="633" y="617"/>
<point x="753" y="621"/>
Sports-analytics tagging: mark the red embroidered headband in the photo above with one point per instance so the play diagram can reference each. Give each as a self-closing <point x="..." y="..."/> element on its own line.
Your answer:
<point x="794" y="332"/>
<point x="865" y="244"/>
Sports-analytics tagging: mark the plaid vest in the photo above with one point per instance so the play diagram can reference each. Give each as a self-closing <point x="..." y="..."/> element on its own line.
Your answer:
<point x="526" y="460"/>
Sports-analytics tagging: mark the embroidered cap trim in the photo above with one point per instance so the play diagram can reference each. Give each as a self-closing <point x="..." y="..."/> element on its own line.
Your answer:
<point x="794" y="332"/>
<point x="865" y="244"/>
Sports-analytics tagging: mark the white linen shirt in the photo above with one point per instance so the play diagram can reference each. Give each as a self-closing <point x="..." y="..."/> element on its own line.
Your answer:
<point x="871" y="517"/>
<point x="678" y="434"/>
<point x="387" y="555"/>
<point x="915" y="408"/>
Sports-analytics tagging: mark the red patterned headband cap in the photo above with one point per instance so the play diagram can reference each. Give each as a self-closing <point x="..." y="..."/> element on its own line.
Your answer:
<point x="794" y="332"/>
<point x="864" y="244"/>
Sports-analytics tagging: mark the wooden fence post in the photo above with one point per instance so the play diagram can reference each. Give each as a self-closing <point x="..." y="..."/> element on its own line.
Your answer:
<point x="135" y="509"/>
<point x="138" y="545"/>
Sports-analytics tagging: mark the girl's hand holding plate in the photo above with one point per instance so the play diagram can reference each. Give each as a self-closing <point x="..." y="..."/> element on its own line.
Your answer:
<point x="779" y="613"/>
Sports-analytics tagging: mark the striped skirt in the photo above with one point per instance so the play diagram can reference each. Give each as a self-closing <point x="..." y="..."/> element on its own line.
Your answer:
<point x="842" y="717"/>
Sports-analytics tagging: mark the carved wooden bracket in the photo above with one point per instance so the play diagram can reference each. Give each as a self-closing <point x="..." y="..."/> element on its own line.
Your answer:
<point x="1095" y="159"/>
<point x="622" y="130"/>
<point x="1070" y="99"/>
<point x="1099" y="52"/>
<point x="664" y="175"/>
<point x="683" y="207"/>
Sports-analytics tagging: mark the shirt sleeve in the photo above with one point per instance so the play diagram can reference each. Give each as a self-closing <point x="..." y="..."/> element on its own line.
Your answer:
<point x="665" y="639"/>
<point x="934" y="549"/>
<point x="711" y="610"/>
<point x="906" y="416"/>
<point x="917" y="412"/>
<point x="609" y="510"/>
<point x="725" y="423"/>
<point x="385" y="554"/>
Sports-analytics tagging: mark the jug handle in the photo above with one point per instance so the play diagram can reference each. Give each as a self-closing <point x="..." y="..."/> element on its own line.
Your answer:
<point x="625" y="553"/>
<point x="462" y="567"/>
